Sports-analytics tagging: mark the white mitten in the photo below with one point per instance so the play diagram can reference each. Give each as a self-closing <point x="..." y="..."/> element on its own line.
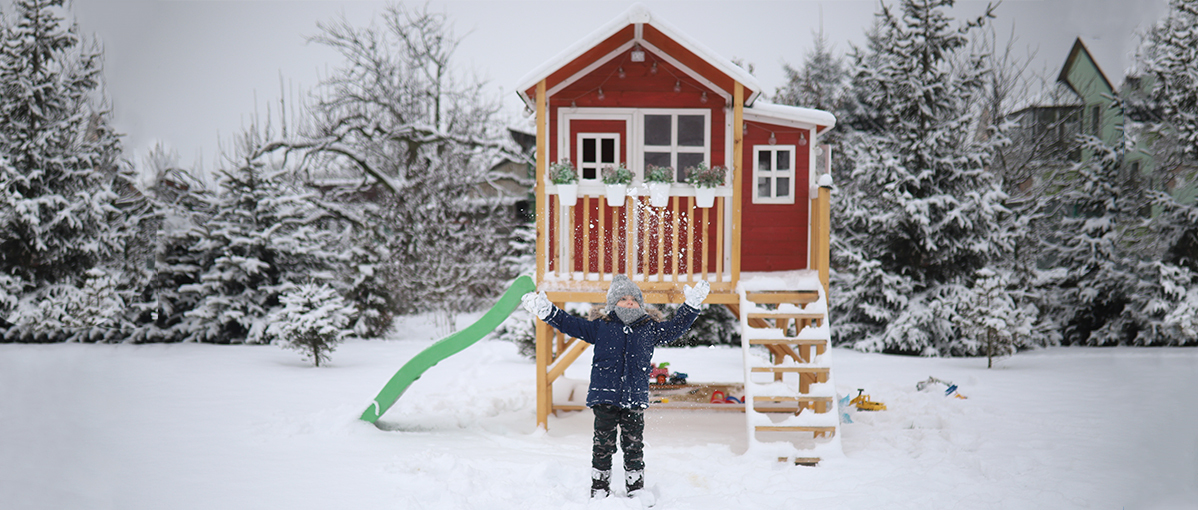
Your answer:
<point x="537" y="304"/>
<point x="695" y="296"/>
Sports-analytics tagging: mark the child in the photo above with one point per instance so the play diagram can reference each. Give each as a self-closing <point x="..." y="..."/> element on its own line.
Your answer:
<point x="624" y="338"/>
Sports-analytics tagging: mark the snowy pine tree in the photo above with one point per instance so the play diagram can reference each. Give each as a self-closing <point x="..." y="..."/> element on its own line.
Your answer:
<point x="313" y="319"/>
<point x="821" y="83"/>
<point x="990" y="320"/>
<point x="58" y="159"/>
<point x="918" y="215"/>
<point x="183" y="205"/>
<point x="1092" y="248"/>
<point x="369" y="279"/>
<point x="1170" y="58"/>
<point x="264" y="238"/>
<point x="1168" y="117"/>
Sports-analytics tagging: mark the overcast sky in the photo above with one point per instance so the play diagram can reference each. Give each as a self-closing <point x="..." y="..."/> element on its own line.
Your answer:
<point x="191" y="73"/>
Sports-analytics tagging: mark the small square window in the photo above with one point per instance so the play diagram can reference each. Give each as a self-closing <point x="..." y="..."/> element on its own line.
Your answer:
<point x="773" y="171"/>
<point x="690" y="130"/>
<point x="658" y="130"/>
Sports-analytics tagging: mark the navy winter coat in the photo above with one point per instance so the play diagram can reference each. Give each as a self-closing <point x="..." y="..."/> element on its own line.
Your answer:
<point x="623" y="353"/>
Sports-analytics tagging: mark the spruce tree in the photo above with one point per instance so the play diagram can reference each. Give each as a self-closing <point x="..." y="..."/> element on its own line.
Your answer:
<point x="264" y="238"/>
<point x="183" y="205"/>
<point x="1170" y="58"/>
<point x="1092" y="249"/>
<point x="1161" y="243"/>
<point x="58" y="160"/>
<point x="821" y="83"/>
<point x="917" y="216"/>
<point x="313" y="319"/>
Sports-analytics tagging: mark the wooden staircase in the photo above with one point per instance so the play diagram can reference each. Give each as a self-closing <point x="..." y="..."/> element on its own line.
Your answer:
<point x="794" y="370"/>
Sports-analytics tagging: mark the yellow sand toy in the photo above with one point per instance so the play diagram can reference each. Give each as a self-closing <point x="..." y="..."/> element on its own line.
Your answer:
<point x="865" y="404"/>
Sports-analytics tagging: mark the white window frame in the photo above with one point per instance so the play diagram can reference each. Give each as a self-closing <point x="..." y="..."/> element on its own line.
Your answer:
<point x="773" y="175"/>
<point x="674" y="149"/>
<point x="598" y="137"/>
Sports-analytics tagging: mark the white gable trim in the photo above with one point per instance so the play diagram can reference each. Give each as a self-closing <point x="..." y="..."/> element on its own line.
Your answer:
<point x="636" y="15"/>
<point x="690" y="72"/>
<point x="589" y="69"/>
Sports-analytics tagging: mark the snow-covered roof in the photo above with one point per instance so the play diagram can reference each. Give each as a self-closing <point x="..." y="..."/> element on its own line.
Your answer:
<point x="802" y="117"/>
<point x="638" y="14"/>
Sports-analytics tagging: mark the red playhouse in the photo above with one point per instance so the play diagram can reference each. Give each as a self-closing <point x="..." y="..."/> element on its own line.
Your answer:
<point x="638" y="92"/>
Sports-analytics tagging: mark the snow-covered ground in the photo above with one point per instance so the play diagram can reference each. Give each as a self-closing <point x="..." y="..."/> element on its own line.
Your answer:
<point x="252" y="427"/>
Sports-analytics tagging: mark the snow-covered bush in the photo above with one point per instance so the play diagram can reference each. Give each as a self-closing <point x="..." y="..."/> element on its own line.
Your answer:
<point x="989" y="320"/>
<point x="65" y="312"/>
<point x="313" y="320"/>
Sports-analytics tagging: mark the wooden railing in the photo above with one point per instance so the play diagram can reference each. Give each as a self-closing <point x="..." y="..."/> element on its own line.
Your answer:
<point x="656" y="246"/>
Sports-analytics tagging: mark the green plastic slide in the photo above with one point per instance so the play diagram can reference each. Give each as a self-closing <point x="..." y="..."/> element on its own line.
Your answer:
<point x="447" y="347"/>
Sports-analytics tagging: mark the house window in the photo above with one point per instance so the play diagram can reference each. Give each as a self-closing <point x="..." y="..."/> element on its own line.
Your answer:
<point x="1096" y="120"/>
<point x="595" y="151"/>
<point x="677" y="140"/>
<point x="773" y="174"/>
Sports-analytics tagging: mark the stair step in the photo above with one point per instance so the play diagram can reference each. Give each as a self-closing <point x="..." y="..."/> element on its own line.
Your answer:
<point x="795" y="428"/>
<point x="788" y="341"/>
<point x="776" y="298"/>
<point x="801" y="461"/>
<point x="791" y="369"/>
<point x="790" y="398"/>
<point x="786" y="315"/>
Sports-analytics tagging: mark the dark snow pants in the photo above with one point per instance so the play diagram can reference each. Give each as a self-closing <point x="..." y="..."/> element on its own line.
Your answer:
<point x="631" y="423"/>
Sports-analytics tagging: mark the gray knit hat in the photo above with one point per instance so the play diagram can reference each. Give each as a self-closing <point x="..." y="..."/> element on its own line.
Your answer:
<point x="622" y="286"/>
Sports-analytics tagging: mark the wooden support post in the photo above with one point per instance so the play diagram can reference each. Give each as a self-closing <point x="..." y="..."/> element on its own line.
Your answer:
<point x="823" y="224"/>
<point x="738" y="149"/>
<point x="544" y="390"/>
<point x="542" y="201"/>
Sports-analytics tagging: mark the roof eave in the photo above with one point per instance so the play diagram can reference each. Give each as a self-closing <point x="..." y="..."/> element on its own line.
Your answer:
<point x="635" y="14"/>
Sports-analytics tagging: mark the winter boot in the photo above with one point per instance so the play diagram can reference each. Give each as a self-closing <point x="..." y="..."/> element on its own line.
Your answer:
<point x="635" y="481"/>
<point x="600" y="483"/>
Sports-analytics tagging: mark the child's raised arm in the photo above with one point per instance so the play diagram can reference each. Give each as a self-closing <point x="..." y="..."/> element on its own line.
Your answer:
<point x="539" y="305"/>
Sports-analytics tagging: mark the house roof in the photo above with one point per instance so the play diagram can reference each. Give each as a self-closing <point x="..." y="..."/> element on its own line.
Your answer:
<point x="636" y="26"/>
<point x="806" y="118"/>
<point x="1078" y="50"/>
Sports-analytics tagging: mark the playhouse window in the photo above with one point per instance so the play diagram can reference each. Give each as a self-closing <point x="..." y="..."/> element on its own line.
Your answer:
<point x="678" y="140"/>
<point x="773" y="173"/>
<point x="595" y="151"/>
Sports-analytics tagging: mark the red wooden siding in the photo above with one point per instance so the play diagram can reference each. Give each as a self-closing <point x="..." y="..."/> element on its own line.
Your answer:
<point x="595" y="53"/>
<point x="638" y="89"/>
<point x="774" y="236"/>
<point x="688" y="59"/>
